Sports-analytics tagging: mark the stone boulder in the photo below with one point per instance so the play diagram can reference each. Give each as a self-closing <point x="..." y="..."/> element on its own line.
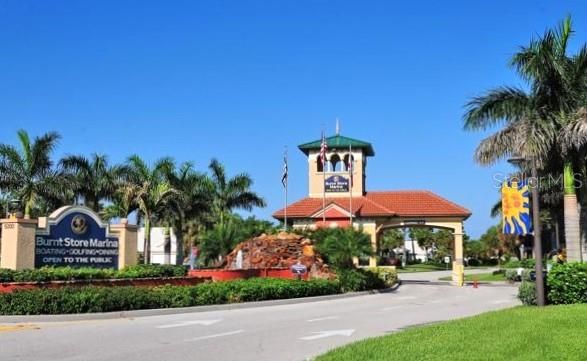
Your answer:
<point x="281" y="250"/>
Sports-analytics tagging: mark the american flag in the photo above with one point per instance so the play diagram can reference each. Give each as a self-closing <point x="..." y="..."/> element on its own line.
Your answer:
<point x="285" y="171"/>
<point x="323" y="150"/>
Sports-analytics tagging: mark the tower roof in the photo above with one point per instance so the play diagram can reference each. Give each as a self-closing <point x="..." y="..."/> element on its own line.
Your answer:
<point x="338" y="141"/>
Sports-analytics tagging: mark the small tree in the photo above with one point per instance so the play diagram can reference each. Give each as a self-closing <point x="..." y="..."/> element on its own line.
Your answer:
<point x="341" y="245"/>
<point x="219" y="241"/>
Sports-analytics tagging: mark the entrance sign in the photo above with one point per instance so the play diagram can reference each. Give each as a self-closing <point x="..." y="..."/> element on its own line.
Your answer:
<point x="299" y="269"/>
<point x="76" y="237"/>
<point x="336" y="183"/>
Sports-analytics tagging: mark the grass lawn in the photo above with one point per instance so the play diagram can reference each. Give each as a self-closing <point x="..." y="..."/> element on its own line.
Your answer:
<point x="481" y="277"/>
<point x="521" y="333"/>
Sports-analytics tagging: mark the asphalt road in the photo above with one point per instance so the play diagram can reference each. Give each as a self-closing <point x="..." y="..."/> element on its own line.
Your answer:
<point x="286" y="332"/>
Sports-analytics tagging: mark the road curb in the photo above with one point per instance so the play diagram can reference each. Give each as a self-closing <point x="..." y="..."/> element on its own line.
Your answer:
<point x="195" y="309"/>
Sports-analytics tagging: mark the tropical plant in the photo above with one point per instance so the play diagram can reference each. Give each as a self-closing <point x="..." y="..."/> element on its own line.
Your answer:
<point x="95" y="180"/>
<point x="193" y="203"/>
<point x="233" y="193"/>
<point x="391" y="239"/>
<point x="218" y="242"/>
<point x="424" y="236"/>
<point x="28" y="172"/>
<point x="535" y="120"/>
<point x="341" y="245"/>
<point x="148" y="189"/>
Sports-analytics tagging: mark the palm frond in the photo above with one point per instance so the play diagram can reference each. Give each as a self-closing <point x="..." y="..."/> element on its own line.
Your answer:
<point x="505" y="104"/>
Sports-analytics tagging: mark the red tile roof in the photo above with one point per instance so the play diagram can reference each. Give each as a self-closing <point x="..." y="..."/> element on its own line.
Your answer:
<point x="390" y="203"/>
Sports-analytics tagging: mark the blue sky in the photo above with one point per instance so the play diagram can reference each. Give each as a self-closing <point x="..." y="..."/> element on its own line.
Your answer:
<point x="239" y="80"/>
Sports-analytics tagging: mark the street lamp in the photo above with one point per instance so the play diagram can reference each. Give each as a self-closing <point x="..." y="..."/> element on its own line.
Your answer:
<point x="540" y="300"/>
<point x="10" y="203"/>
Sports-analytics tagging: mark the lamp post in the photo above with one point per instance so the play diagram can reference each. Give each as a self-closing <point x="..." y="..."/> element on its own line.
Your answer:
<point x="540" y="299"/>
<point x="10" y="203"/>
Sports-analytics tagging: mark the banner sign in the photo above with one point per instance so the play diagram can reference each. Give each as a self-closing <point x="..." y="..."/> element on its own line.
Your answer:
<point x="336" y="183"/>
<point x="515" y="207"/>
<point x="76" y="240"/>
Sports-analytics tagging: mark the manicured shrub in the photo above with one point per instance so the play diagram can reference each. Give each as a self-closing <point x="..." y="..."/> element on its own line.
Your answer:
<point x="527" y="293"/>
<point x="107" y="299"/>
<point x="567" y="283"/>
<point x="386" y="274"/>
<point x="525" y="263"/>
<point x="358" y="280"/>
<point x="46" y="274"/>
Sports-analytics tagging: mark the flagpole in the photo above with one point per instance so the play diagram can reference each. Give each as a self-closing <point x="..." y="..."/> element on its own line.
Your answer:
<point x="286" y="182"/>
<point x="351" y="169"/>
<point x="323" y="181"/>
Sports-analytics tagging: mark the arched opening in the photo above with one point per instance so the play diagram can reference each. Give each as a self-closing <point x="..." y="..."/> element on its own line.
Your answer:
<point x="319" y="165"/>
<point x="413" y="244"/>
<point x="350" y="164"/>
<point x="337" y="164"/>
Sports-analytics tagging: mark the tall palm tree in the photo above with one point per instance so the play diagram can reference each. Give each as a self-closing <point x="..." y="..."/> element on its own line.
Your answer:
<point x="192" y="204"/>
<point x="533" y="121"/>
<point x="29" y="174"/>
<point x="148" y="189"/>
<point x="95" y="179"/>
<point x="232" y="193"/>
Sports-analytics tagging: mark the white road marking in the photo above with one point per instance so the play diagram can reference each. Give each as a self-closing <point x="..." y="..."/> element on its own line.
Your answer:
<point x="216" y="335"/>
<point x="402" y="298"/>
<point x="392" y="308"/>
<point x="190" y="323"/>
<point x="324" y="334"/>
<point x="323" y="318"/>
<point x="500" y="302"/>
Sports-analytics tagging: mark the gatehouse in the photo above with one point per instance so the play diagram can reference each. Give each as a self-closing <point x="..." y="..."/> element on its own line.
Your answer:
<point x="338" y="197"/>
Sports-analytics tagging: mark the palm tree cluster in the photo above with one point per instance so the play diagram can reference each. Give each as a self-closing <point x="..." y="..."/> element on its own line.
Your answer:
<point x="163" y="193"/>
<point x="545" y="122"/>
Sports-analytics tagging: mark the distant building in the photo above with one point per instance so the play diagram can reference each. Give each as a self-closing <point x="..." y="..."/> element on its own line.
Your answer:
<point x="163" y="248"/>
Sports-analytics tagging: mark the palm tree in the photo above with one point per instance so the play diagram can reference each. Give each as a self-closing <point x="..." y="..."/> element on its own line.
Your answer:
<point x="193" y="204"/>
<point x="534" y="120"/>
<point x="148" y="189"/>
<point x="219" y="241"/>
<point x="341" y="245"/>
<point x="96" y="181"/>
<point x="28" y="172"/>
<point x="232" y="193"/>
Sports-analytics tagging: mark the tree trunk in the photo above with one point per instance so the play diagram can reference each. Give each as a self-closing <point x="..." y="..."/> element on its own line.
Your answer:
<point x="571" y="215"/>
<point x="28" y="206"/>
<point x="147" y="244"/>
<point x="178" y="243"/>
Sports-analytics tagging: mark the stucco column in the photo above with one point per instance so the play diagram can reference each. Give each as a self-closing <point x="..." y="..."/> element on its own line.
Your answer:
<point x="18" y="243"/>
<point x="458" y="268"/>
<point x="371" y="230"/>
<point x="127" y="243"/>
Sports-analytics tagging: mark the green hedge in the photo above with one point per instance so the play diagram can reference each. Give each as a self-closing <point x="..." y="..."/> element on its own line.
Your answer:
<point x="352" y="280"/>
<point x="46" y="274"/>
<point x="104" y="299"/>
<point x="567" y="283"/>
<point x="525" y="263"/>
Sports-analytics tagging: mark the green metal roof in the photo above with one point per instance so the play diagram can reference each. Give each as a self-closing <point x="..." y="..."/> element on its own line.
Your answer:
<point x="339" y="142"/>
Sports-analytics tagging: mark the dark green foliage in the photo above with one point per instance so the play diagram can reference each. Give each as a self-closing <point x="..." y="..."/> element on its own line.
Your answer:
<point x="525" y="263"/>
<point x="359" y="280"/>
<point x="339" y="245"/>
<point x="105" y="299"/>
<point x="46" y="274"/>
<point x="567" y="283"/>
<point x="527" y="293"/>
